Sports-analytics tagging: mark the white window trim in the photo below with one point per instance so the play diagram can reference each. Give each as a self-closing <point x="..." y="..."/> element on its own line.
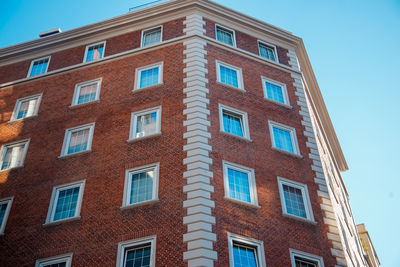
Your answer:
<point x="244" y="120"/>
<point x="305" y="255"/>
<point x="90" y="45"/>
<point x="291" y="130"/>
<point x="252" y="182"/>
<point x="270" y="45"/>
<point x="67" y="258"/>
<point x="227" y="29"/>
<point x="149" y="29"/>
<point x="54" y="198"/>
<point x="239" y="75"/>
<point x="78" y="90"/>
<point x="136" y="114"/>
<point x="11" y="144"/>
<point x="281" y="85"/>
<point x="9" y="201"/>
<point x="128" y="180"/>
<point x="257" y="244"/>
<point x="18" y="106"/>
<point x="139" y="70"/>
<point x="67" y="138"/>
<point x="33" y="61"/>
<point x="306" y="198"/>
<point x="122" y="246"/>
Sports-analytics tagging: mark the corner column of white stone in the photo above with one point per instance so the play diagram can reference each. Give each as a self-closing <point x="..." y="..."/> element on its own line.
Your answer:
<point x="199" y="219"/>
<point x="320" y="180"/>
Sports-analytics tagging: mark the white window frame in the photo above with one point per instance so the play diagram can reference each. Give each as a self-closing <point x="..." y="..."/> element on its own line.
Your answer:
<point x="307" y="256"/>
<point x="33" y="62"/>
<point x="122" y="246"/>
<point x="268" y="45"/>
<point x="283" y="88"/>
<point x="90" y="45"/>
<point x="18" y="106"/>
<point x="226" y="29"/>
<point x="4" y="148"/>
<point x="252" y="182"/>
<point x="291" y="130"/>
<point x="138" y="72"/>
<point x="67" y="258"/>
<point x="134" y="117"/>
<point x="9" y="201"/>
<point x="67" y="138"/>
<point x="78" y="90"/>
<point x="257" y="244"/>
<point x="128" y="184"/>
<point x="149" y="29"/>
<point x="239" y="74"/>
<point x="238" y="113"/>
<point x="54" y="198"/>
<point x="306" y="198"/>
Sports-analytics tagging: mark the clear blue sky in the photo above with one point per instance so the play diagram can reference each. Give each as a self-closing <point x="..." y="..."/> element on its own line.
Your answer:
<point x="354" y="47"/>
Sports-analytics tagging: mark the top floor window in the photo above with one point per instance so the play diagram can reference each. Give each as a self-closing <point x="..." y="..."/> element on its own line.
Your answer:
<point x="94" y="52"/>
<point x="225" y="35"/>
<point x="151" y="36"/>
<point x="267" y="51"/>
<point x="38" y="66"/>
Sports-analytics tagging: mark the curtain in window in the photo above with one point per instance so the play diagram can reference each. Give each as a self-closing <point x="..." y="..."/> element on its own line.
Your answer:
<point x="225" y="36"/>
<point x="228" y="76"/>
<point x="95" y="52"/>
<point x="274" y="92"/>
<point x="267" y="52"/>
<point x="238" y="185"/>
<point x="66" y="203"/>
<point x="141" y="186"/>
<point x="87" y="93"/>
<point x="39" y="67"/>
<point x="244" y="256"/>
<point x="152" y="37"/>
<point x="283" y="140"/>
<point x="149" y="77"/>
<point x="12" y="157"/>
<point x="232" y="124"/>
<point x="27" y="108"/>
<point x="78" y="141"/>
<point x="146" y="124"/>
<point x="294" y="201"/>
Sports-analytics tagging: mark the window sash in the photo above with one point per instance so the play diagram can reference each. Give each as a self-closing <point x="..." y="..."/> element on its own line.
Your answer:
<point x="294" y="201"/>
<point x="229" y="76"/>
<point x="78" y="140"/>
<point x="149" y="77"/>
<point x="141" y="186"/>
<point x="26" y="108"/>
<point x="275" y="92"/>
<point x="225" y="36"/>
<point x="66" y="202"/>
<point x="3" y="210"/>
<point x="244" y="255"/>
<point x="87" y="93"/>
<point x="300" y="262"/>
<point x="39" y="67"/>
<point x="283" y="139"/>
<point x="139" y="256"/>
<point x="12" y="156"/>
<point x="152" y="36"/>
<point x="146" y="124"/>
<point x="94" y="52"/>
<point x="267" y="51"/>
<point x="239" y="185"/>
<point x="233" y="123"/>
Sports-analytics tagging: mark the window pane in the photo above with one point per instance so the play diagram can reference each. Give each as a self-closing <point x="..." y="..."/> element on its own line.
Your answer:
<point x="238" y="185"/>
<point x="61" y="264"/>
<point x="282" y="139"/>
<point x="294" y="201"/>
<point x="149" y="77"/>
<point x="146" y="124"/>
<point x="141" y="187"/>
<point x="232" y="124"/>
<point x="267" y="52"/>
<point x="12" y="157"/>
<point x="304" y="263"/>
<point x="244" y="256"/>
<point x="3" y="208"/>
<point x="39" y="67"/>
<point x="87" y="93"/>
<point x="78" y="141"/>
<point x="274" y="92"/>
<point x="228" y="76"/>
<point x="152" y="37"/>
<point x="138" y="257"/>
<point x="95" y="52"/>
<point x="26" y="108"/>
<point x="225" y="36"/>
<point x="66" y="203"/>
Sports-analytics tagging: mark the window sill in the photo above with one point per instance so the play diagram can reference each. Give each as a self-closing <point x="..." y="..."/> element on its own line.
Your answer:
<point x="135" y="90"/>
<point x="231" y="87"/>
<point x="84" y="104"/>
<point x="74" y="154"/>
<point x="279" y="103"/>
<point x="22" y="119"/>
<point x="12" y="168"/>
<point x="251" y="205"/>
<point x="48" y="224"/>
<point x="236" y="136"/>
<point x="299" y="218"/>
<point x="288" y="153"/>
<point x="144" y="203"/>
<point x="133" y="140"/>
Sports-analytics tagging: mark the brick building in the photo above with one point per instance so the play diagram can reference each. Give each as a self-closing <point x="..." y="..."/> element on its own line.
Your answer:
<point x="181" y="134"/>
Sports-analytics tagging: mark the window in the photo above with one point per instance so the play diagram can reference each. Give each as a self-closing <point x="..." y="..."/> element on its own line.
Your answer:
<point x="275" y="91"/>
<point x="148" y="76"/>
<point x="38" y="66"/>
<point x="233" y="121"/>
<point x="245" y="252"/>
<point x="240" y="183"/>
<point x="303" y="259"/>
<point x="57" y="261"/>
<point x="229" y="75"/>
<point x="267" y="51"/>
<point x="141" y="185"/>
<point x="145" y="123"/>
<point x="283" y="138"/>
<point x="137" y="253"/>
<point x="295" y="199"/>
<point x="78" y="139"/>
<point x="225" y="35"/>
<point x="5" y="206"/>
<point x="65" y="202"/>
<point x="94" y="52"/>
<point x="26" y="107"/>
<point x="13" y="154"/>
<point x="86" y="92"/>
<point x="151" y="36"/>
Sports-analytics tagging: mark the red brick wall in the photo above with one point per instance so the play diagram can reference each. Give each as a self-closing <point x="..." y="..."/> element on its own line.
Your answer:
<point x="14" y="71"/>
<point x="67" y="58"/>
<point x="279" y="233"/>
<point x="94" y="238"/>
